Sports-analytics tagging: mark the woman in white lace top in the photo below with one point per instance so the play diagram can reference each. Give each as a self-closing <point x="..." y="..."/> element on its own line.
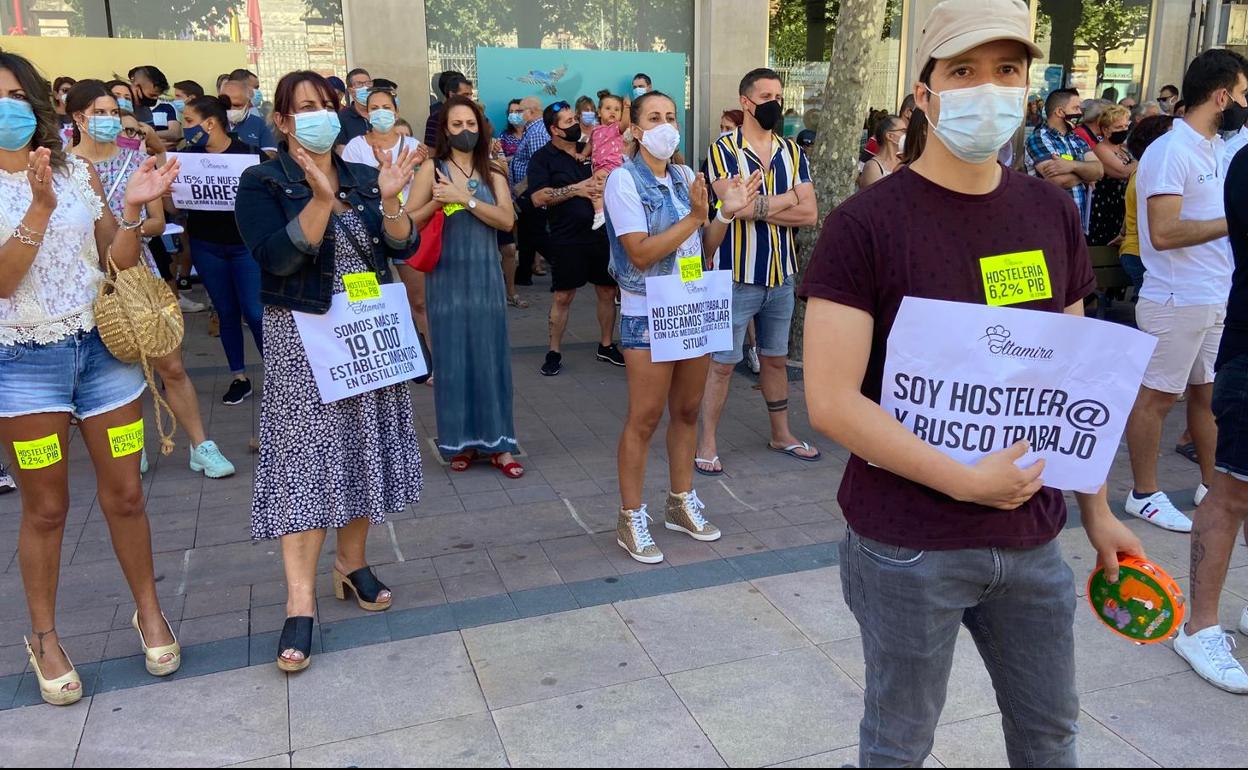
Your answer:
<point x="54" y="228"/>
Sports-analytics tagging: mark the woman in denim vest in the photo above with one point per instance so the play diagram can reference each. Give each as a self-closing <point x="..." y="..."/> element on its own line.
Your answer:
<point x="310" y="218"/>
<point x="656" y="211"/>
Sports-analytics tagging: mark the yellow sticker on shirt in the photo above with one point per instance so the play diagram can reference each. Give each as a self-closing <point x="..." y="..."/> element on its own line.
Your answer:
<point x="39" y="453"/>
<point x="690" y="268"/>
<point x="453" y="208"/>
<point x="361" y="286"/>
<point x="127" y="439"/>
<point x="1010" y="279"/>
<point x="1067" y="156"/>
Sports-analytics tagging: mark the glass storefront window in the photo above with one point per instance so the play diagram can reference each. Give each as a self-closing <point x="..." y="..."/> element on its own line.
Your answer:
<point x="1095" y="46"/>
<point x="278" y="35"/>
<point x="801" y="37"/>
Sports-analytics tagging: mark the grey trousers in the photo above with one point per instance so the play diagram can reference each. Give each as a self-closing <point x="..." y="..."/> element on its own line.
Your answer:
<point x="1019" y="606"/>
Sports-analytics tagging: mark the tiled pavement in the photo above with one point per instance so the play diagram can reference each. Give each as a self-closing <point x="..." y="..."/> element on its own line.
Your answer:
<point x="522" y="635"/>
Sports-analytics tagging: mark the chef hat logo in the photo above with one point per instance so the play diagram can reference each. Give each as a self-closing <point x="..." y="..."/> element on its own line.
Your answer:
<point x="997" y="337"/>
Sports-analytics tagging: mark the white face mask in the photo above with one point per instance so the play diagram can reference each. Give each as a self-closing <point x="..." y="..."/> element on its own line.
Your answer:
<point x="976" y="122"/>
<point x="236" y="116"/>
<point x="661" y="141"/>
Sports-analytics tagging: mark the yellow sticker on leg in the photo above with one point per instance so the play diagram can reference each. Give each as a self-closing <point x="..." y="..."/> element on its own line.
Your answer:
<point x="127" y="439"/>
<point x="39" y="453"/>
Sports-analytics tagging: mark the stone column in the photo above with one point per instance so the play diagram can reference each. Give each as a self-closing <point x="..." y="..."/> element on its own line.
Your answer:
<point x="388" y="38"/>
<point x="730" y="39"/>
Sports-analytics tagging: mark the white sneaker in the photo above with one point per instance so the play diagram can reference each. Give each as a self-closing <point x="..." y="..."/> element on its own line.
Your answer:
<point x="1158" y="510"/>
<point x="1209" y="653"/>
<point x="7" y="484"/>
<point x="1201" y="492"/>
<point x="1243" y="622"/>
<point x="751" y="358"/>
<point x="600" y="219"/>
<point x="190" y="305"/>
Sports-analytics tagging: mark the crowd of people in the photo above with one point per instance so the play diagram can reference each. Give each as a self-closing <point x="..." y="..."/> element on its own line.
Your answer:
<point x="343" y="200"/>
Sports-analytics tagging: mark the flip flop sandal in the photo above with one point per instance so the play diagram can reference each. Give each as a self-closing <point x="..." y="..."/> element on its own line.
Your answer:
<point x="712" y="461"/>
<point x="791" y="451"/>
<point x="516" y="302"/>
<point x="512" y="470"/>
<point x="1188" y="451"/>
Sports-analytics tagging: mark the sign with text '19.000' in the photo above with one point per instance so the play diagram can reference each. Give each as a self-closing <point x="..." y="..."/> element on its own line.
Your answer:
<point x="363" y="345"/>
<point x="208" y="181"/>
<point x="972" y="380"/>
<point x="689" y="318"/>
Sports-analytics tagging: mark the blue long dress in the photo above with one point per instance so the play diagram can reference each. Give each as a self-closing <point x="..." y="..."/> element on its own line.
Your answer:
<point x="466" y="305"/>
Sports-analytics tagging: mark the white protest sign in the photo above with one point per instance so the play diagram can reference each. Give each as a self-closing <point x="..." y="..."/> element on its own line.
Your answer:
<point x="208" y="181"/>
<point x="689" y="318"/>
<point x="972" y="380"/>
<point x="361" y="346"/>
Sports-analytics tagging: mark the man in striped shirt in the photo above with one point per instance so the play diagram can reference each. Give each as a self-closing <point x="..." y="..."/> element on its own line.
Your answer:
<point x="532" y="221"/>
<point x="761" y="251"/>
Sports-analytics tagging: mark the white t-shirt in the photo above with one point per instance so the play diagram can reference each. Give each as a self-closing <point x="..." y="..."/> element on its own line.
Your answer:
<point x="623" y="206"/>
<point x="359" y="151"/>
<point x="1183" y="162"/>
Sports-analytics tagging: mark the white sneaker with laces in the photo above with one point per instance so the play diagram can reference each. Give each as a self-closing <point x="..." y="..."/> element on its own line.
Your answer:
<point x="7" y="484"/>
<point x="751" y="357"/>
<point x="1201" y="492"/>
<point x="600" y="219"/>
<point x="1157" y="509"/>
<point x="187" y="305"/>
<point x="1209" y="653"/>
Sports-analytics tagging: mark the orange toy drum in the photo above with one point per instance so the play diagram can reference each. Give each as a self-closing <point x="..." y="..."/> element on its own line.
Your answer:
<point x="1145" y="605"/>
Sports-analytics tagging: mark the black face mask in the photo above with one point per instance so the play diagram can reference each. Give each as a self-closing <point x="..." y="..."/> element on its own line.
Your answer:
<point x="1073" y="119"/>
<point x="1119" y="137"/>
<point x="572" y="134"/>
<point x="1234" y="117"/>
<point x="465" y="141"/>
<point x="768" y="114"/>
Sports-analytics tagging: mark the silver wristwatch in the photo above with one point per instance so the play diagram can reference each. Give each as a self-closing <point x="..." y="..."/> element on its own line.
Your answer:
<point x="472" y="203"/>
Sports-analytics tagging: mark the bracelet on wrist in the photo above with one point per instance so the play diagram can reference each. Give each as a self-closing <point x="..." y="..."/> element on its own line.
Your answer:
<point x="126" y="224"/>
<point x="397" y="215"/>
<point x="28" y="236"/>
<point x="719" y="216"/>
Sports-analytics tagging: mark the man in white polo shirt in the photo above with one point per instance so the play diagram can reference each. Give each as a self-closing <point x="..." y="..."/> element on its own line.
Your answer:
<point x="1187" y="259"/>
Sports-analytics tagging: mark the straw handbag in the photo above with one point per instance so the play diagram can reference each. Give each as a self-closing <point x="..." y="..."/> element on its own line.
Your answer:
<point x="138" y="319"/>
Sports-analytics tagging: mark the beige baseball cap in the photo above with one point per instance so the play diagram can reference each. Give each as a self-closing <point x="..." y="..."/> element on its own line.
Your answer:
<point x="956" y="26"/>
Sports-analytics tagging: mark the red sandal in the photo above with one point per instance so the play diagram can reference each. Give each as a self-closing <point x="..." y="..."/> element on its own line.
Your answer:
<point x="512" y="470"/>
<point x="460" y="462"/>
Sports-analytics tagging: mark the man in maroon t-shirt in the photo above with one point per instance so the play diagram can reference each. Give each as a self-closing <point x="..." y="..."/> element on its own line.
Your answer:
<point x="934" y="544"/>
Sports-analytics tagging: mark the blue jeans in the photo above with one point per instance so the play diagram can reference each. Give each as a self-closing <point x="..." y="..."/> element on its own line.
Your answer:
<point x="232" y="279"/>
<point x="771" y="309"/>
<point x="1019" y="606"/>
<point x="75" y="374"/>
<point x="1134" y="267"/>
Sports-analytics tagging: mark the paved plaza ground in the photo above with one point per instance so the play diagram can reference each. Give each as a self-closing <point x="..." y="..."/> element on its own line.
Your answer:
<point x="522" y="635"/>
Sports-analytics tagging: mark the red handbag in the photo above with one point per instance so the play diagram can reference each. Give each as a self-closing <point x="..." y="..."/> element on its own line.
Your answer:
<point x="430" y="249"/>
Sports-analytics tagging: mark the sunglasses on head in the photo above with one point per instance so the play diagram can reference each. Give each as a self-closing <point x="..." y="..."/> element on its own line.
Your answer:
<point x="560" y="106"/>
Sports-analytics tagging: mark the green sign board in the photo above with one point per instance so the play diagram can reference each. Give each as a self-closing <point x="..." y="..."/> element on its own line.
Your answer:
<point x="1120" y="72"/>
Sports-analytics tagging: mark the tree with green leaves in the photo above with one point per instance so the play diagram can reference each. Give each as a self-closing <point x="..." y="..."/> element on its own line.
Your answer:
<point x="1109" y="25"/>
<point x="803" y="30"/>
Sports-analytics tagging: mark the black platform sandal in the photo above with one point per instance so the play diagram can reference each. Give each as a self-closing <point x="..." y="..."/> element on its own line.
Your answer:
<point x="366" y="587"/>
<point x="296" y="635"/>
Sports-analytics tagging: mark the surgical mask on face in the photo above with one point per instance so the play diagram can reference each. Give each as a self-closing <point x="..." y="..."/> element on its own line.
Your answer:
<point x="640" y="91"/>
<point x="768" y="114"/>
<point x="17" y="124"/>
<point x="1119" y="137"/>
<point x="381" y="120"/>
<point x="589" y="118"/>
<point x="125" y="105"/>
<point x="572" y="133"/>
<point x="236" y="116"/>
<point x="196" y="136"/>
<point x="515" y="118"/>
<point x="104" y="128"/>
<point x="257" y="98"/>
<point x="361" y="94"/>
<point x="1074" y="119"/>
<point x="1234" y="116"/>
<point x="976" y="122"/>
<point x="129" y="143"/>
<point x="661" y="141"/>
<point x="317" y="131"/>
<point x="465" y="141"/>
<point x="178" y="106"/>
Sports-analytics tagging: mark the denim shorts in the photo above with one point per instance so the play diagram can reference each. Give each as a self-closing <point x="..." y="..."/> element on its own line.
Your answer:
<point x="1230" y="409"/>
<point x="76" y="375"/>
<point x="634" y="332"/>
<point x="771" y="308"/>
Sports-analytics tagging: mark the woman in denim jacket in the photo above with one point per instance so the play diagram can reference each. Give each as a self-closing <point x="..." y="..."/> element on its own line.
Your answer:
<point x="657" y="211"/>
<point x="310" y="218"/>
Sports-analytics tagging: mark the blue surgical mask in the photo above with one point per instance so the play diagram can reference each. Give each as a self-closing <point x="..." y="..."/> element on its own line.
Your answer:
<point x="381" y="120"/>
<point x="178" y="106"/>
<point x="975" y="123"/>
<point x="195" y="136"/>
<point x="515" y="118"/>
<point x="589" y="118"/>
<point x="640" y="91"/>
<point x="17" y="124"/>
<point x="317" y="131"/>
<point x="361" y="94"/>
<point x="125" y="105"/>
<point x="257" y="98"/>
<point x="104" y="128"/>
